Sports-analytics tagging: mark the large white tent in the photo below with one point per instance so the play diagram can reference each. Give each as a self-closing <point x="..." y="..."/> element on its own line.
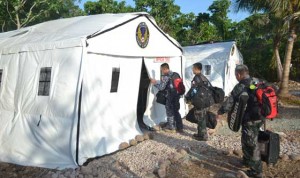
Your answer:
<point x="71" y="89"/>
<point x="218" y="61"/>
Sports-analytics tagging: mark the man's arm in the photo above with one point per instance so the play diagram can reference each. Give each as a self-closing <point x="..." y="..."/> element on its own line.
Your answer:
<point x="160" y="85"/>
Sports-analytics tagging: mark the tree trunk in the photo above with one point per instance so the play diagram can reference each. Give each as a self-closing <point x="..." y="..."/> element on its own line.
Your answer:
<point x="284" y="90"/>
<point x="277" y="58"/>
<point x="18" y="21"/>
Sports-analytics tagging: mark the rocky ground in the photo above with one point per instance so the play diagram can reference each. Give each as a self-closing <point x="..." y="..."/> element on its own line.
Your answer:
<point x="161" y="154"/>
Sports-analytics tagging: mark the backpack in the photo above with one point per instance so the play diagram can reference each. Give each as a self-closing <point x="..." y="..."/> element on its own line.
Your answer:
<point x="203" y="97"/>
<point x="267" y="99"/>
<point x="178" y="83"/>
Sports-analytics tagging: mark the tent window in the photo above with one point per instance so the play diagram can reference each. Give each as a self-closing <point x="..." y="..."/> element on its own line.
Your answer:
<point x="207" y="69"/>
<point x="1" y="71"/>
<point x="115" y="80"/>
<point x="44" y="82"/>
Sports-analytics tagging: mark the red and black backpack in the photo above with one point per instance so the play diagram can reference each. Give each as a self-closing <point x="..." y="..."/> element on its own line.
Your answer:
<point x="267" y="99"/>
<point x="178" y="83"/>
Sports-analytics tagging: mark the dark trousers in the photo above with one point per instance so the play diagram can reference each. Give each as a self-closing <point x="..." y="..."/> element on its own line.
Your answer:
<point x="172" y="109"/>
<point x="251" y="152"/>
<point x="200" y="116"/>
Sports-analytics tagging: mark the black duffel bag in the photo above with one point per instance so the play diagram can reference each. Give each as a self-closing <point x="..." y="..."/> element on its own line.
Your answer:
<point x="218" y="94"/>
<point x="211" y="118"/>
<point x="161" y="97"/>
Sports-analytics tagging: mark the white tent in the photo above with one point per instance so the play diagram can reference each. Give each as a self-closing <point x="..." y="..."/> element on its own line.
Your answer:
<point x="69" y="88"/>
<point x="218" y="62"/>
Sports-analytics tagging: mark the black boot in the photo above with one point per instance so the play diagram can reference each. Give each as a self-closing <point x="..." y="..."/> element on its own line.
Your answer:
<point x="171" y="125"/>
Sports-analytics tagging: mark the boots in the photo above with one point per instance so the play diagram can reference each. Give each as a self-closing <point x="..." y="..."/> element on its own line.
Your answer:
<point x="171" y="125"/>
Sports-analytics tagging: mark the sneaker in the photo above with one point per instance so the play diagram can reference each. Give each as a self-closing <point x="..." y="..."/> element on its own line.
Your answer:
<point x="250" y="173"/>
<point x="199" y="138"/>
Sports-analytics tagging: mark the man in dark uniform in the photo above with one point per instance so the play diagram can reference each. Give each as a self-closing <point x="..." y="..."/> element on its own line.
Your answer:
<point x="174" y="120"/>
<point x="199" y="113"/>
<point x="251" y="121"/>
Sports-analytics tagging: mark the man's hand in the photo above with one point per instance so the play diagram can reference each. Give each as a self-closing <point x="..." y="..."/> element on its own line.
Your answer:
<point x="153" y="81"/>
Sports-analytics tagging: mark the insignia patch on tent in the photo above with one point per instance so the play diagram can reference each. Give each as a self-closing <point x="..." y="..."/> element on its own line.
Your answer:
<point x="142" y="35"/>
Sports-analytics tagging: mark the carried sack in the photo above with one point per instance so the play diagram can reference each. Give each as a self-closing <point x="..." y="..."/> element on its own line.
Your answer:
<point x="218" y="94"/>
<point x="211" y="119"/>
<point x="267" y="99"/>
<point x="203" y="97"/>
<point x="178" y="83"/>
<point x="161" y="97"/>
<point x="236" y="115"/>
<point x="191" y="117"/>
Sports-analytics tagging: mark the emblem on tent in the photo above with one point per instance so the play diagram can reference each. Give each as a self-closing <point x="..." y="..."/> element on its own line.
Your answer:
<point x="142" y="35"/>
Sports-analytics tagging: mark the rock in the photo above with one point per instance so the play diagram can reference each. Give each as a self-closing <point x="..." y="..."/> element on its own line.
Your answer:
<point x="227" y="152"/>
<point x="146" y="137"/>
<point x="295" y="157"/>
<point x="61" y="176"/>
<point x="162" y="173"/>
<point x="202" y="165"/>
<point x="229" y="175"/>
<point x="123" y="146"/>
<point x="150" y="175"/>
<point x="177" y="156"/>
<point x="238" y="152"/>
<point x="165" y="164"/>
<point x="156" y="128"/>
<point x="282" y="134"/>
<point x="88" y="176"/>
<point x="139" y="138"/>
<point x="55" y="175"/>
<point x="182" y="152"/>
<point x="241" y="174"/>
<point x="211" y="131"/>
<point x="86" y="170"/>
<point x="284" y="157"/>
<point x="132" y="142"/>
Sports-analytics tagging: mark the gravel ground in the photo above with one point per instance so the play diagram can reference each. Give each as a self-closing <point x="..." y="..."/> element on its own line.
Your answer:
<point x="147" y="156"/>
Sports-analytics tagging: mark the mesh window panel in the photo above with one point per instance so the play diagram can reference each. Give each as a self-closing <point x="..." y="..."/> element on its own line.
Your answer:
<point x="45" y="81"/>
<point x="115" y="80"/>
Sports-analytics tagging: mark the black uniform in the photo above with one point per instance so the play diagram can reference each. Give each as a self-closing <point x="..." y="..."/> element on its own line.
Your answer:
<point x="251" y="123"/>
<point x="200" y="114"/>
<point x="172" y="102"/>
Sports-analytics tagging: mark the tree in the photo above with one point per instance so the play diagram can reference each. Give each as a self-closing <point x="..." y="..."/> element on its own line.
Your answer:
<point x="219" y="18"/>
<point x="106" y="6"/>
<point x="20" y="13"/>
<point x="165" y="13"/>
<point x="290" y="13"/>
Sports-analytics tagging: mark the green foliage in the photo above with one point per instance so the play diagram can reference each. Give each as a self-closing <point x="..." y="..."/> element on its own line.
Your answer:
<point x="219" y="18"/>
<point x="106" y="6"/>
<point x="165" y="13"/>
<point x="20" y="13"/>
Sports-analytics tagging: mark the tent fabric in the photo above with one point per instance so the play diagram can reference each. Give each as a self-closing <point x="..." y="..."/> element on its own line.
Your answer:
<point x="156" y="113"/>
<point x="82" y="117"/>
<point x="218" y="62"/>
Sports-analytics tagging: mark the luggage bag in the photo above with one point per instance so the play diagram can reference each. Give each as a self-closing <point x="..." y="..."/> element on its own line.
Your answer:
<point x="269" y="145"/>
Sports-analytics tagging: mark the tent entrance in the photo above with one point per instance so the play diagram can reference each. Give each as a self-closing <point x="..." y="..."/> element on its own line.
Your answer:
<point x="143" y="94"/>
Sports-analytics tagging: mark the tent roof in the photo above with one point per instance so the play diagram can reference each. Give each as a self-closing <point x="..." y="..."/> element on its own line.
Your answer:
<point x="209" y="51"/>
<point x="63" y="33"/>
